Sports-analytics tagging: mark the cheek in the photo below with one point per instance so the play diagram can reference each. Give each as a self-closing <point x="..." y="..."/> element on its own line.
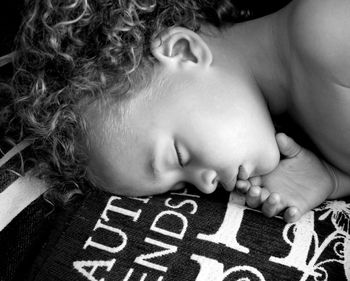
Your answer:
<point x="269" y="156"/>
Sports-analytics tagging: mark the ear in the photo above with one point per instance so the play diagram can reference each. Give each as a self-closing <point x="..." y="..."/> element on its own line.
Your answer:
<point x="181" y="47"/>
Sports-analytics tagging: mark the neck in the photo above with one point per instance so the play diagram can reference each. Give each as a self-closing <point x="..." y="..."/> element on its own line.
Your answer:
<point x="260" y="46"/>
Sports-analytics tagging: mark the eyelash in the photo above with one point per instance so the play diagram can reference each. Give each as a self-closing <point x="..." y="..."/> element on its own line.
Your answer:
<point x="179" y="156"/>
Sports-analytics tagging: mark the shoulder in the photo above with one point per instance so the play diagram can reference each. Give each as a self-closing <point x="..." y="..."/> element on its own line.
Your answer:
<point x="320" y="34"/>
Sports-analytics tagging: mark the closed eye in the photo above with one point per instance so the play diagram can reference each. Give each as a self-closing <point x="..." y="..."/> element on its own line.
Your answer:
<point x="179" y="156"/>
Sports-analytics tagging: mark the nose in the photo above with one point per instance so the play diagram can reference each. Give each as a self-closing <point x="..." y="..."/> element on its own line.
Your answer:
<point x="205" y="180"/>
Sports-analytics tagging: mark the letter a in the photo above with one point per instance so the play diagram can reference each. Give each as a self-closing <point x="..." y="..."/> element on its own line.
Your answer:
<point x="81" y="267"/>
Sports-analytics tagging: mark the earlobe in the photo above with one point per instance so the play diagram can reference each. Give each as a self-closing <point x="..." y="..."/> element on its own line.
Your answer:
<point x="181" y="47"/>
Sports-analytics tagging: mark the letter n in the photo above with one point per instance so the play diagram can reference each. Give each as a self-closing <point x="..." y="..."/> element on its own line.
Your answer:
<point x="143" y="259"/>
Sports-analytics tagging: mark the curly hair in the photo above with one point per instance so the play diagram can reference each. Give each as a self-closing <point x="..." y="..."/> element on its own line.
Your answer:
<point x="74" y="52"/>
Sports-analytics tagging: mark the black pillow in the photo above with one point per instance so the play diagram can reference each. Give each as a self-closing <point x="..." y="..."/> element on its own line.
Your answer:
<point x="188" y="236"/>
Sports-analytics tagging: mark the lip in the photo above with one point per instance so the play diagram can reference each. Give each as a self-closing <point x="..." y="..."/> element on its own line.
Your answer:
<point x="230" y="184"/>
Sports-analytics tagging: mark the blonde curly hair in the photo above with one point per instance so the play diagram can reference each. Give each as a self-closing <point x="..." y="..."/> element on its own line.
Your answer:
<point x="72" y="51"/>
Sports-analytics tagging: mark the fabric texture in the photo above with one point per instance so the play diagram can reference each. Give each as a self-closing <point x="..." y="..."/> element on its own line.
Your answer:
<point x="188" y="236"/>
<point x="7" y="175"/>
<point x="21" y="239"/>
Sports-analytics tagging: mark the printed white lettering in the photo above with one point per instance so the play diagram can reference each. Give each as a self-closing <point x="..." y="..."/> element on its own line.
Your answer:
<point x="347" y="256"/>
<point x="191" y="202"/>
<point x="102" y="247"/>
<point x="143" y="277"/>
<point x="212" y="270"/>
<point x="303" y="231"/>
<point x="144" y="200"/>
<point x="81" y="265"/>
<point x="143" y="259"/>
<point x="169" y="216"/>
<point x="228" y="231"/>
<point x="112" y="208"/>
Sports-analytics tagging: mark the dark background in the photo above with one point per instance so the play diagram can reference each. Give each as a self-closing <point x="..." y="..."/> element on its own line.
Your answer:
<point x="10" y="18"/>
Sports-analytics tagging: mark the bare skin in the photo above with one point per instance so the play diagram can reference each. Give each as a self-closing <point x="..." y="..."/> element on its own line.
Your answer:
<point x="296" y="61"/>
<point x="293" y="185"/>
<point x="320" y="67"/>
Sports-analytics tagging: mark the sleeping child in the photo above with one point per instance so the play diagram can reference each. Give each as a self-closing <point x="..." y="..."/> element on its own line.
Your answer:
<point x="143" y="97"/>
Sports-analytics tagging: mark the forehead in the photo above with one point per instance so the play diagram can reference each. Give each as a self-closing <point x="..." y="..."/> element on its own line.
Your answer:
<point x="123" y="139"/>
<point x="105" y="116"/>
<point x="117" y="161"/>
<point x="117" y="147"/>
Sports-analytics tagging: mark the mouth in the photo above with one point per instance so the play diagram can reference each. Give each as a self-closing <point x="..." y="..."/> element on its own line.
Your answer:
<point x="229" y="186"/>
<point x="230" y="183"/>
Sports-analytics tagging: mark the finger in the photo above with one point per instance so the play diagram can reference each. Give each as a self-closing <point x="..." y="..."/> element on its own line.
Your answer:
<point x="287" y="146"/>
<point x="272" y="206"/>
<point x="264" y="194"/>
<point x="256" y="181"/>
<point x="292" y="214"/>
<point x="243" y="186"/>
<point x="253" y="197"/>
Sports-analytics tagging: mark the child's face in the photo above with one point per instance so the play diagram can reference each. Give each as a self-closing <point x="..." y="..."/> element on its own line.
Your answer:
<point x="217" y="122"/>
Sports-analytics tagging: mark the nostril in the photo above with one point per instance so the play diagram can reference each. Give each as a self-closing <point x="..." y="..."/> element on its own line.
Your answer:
<point x="208" y="181"/>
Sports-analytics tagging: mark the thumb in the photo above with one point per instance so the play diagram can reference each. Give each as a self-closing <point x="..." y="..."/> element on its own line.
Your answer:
<point x="287" y="146"/>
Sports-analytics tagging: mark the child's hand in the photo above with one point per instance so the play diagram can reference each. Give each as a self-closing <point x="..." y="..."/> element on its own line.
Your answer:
<point x="299" y="183"/>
